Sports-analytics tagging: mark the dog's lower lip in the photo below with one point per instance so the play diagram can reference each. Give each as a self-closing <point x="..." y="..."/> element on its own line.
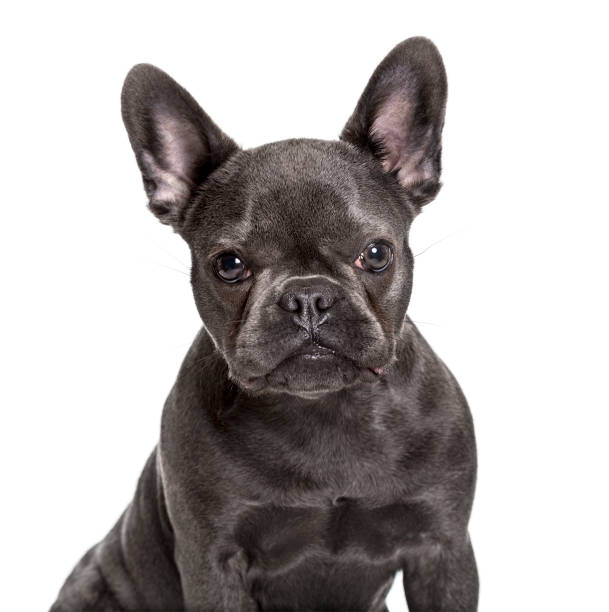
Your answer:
<point x="314" y="351"/>
<point x="311" y="353"/>
<point x="321" y="355"/>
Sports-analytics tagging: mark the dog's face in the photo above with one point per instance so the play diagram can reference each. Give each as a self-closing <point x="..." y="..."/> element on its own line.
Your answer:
<point x="301" y="268"/>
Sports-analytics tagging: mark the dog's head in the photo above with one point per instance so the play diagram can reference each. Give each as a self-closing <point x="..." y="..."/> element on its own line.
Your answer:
<point x="301" y="269"/>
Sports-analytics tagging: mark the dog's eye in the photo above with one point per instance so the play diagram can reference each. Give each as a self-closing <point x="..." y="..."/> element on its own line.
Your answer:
<point x="230" y="268"/>
<point x="376" y="257"/>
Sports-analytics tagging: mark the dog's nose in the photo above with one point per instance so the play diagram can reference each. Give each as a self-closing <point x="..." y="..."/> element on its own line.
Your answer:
<point x="309" y="305"/>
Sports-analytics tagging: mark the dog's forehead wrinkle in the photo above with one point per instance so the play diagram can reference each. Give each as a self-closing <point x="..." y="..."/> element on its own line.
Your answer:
<point x="311" y="173"/>
<point x="375" y="224"/>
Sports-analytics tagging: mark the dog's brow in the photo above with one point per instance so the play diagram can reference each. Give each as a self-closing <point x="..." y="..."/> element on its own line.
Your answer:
<point x="223" y="245"/>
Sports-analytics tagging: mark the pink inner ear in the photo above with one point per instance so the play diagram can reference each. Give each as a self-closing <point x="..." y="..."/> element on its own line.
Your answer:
<point x="170" y="187"/>
<point x="181" y="151"/>
<point x="182" y="145"/>
<point x="392" y="128"/>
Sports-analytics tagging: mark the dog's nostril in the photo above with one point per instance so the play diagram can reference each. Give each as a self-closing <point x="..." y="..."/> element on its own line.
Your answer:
<point x="323" y="302"/>
<point x="289" y="302"/>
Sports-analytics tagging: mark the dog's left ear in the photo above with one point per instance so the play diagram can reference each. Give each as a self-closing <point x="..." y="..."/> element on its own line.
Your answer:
<point x="400" y="116"/>
<point x="175" y="142"/>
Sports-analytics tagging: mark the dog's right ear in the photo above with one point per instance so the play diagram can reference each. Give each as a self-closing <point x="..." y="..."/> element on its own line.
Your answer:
<point x="175" y="142"/>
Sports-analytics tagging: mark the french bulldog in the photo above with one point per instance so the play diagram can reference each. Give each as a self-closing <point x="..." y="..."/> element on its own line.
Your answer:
<point x="313" y="444"/>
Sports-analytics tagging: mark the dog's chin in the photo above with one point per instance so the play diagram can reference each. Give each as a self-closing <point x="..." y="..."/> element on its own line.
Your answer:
<point x="311" y="375"/>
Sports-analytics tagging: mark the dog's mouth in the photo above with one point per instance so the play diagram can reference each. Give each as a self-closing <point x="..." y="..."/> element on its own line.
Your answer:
<point x="311" y="371"/>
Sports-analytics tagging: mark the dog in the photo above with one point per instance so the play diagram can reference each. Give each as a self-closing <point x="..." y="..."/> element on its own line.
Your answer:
<point x="313" y="444"/>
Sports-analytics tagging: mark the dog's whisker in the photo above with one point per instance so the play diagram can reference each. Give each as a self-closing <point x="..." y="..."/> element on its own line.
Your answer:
<point x="426" y="323"/>
<point x="433" y="244"/>
<point x="167" y="252"/>
<point x="172" y="268"/>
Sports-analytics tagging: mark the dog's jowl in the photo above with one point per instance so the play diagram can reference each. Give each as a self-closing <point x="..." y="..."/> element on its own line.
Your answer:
<point x="313" y="445"/>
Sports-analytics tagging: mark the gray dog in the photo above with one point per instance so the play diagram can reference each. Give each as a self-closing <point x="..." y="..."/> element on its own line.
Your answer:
<point x="313" y="445"/>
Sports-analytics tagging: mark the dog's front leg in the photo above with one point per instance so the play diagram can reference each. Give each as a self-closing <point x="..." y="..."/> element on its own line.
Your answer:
<point x="441" y="577"/>
<point x="214" y="582"/>
<point x="236" y="593"/>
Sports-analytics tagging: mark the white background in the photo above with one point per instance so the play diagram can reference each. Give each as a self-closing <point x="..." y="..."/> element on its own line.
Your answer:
<point x="96" y="306"/>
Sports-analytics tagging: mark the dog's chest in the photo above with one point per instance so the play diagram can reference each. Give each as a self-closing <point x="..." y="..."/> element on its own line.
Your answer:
<point x="298" y="555"/>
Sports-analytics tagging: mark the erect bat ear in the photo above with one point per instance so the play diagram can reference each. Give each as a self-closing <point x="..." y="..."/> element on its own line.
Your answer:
<point x="400" y="115"/>
<point x="175" y="142"/>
